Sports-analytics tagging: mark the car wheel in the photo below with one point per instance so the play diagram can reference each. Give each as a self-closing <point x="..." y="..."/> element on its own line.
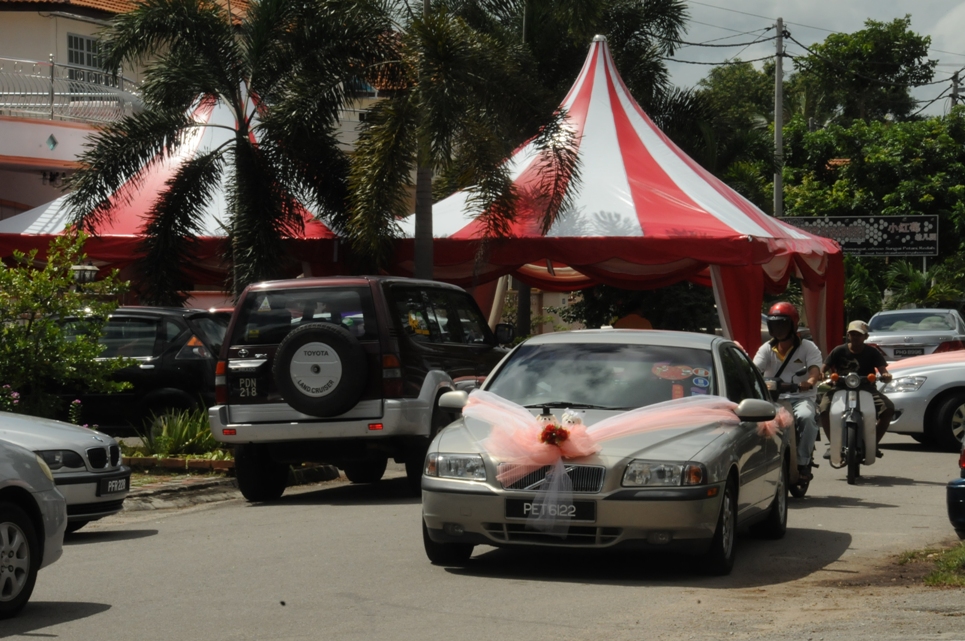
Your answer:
<point x="367" y="471"/>
<point x="950" y="426"/>
<point x="775" y="526"/>
<point x="415" y="458"/>
<point x="719" y="559"/>
<point x="20" y="554"/>
<point x="453" y="554"/>
<point x="73" y="526"/>
<point x="320" y="369"/>
<point x="259" y="477"/>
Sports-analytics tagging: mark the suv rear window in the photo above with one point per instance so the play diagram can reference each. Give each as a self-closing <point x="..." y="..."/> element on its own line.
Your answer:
<point x="267" y="317"/>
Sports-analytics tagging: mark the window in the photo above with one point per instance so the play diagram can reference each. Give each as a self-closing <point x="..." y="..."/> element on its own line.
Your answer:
<point x="740" y="376"/>
<point x="84" y="51"/>
<point x="440" y="316"/>
<point x="132" y="337"/>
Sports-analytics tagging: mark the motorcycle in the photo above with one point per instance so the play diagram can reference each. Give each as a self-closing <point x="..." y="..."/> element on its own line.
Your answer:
<point x="797" y="485"/>
<point x="852" y="422"/>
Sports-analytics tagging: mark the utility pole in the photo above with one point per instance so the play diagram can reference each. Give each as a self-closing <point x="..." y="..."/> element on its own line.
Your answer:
<point x="955" y="89"/>
<point x="524" y="294"/>
<point x="779" y="121"/>
<point x="424" y="259"/>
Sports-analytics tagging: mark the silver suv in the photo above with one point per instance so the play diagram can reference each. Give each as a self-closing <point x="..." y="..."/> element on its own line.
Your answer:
<point x="345" y="371"/>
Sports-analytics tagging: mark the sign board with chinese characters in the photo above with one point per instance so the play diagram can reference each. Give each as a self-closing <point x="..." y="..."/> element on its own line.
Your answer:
<point x="875" y="235"/>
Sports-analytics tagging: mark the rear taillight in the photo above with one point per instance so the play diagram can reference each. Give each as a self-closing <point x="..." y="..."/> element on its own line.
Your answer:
<point x="193" y="349"/>
<point x="391" y="376"/>
<point x="221" y="383"/>
<point x="949" y="346"/>
<point x="961" y="462"/>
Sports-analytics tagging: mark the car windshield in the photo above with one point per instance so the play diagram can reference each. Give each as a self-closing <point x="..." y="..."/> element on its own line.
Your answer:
<point x="603" y="375"/>
<point x="911" y="321"/>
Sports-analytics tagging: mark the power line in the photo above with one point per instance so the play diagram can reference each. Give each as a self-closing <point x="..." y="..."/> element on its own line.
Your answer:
<point x="745" y="33"/>
<point x="932" y="101"/>
<point x="716" y="64"/>
<point x="708" y="43"/>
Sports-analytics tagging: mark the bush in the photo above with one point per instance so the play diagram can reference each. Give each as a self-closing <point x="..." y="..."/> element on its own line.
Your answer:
<point x="40" y="355"/>
<point x="179" y="433"/>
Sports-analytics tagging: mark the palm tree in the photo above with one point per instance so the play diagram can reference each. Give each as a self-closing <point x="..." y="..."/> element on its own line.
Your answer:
<point x="909" y="286"/>
<point x="478" y="84"/>
<point x="285" y="70"/>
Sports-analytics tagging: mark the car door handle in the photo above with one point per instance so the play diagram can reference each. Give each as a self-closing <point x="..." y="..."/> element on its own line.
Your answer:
<point x="146" y="366"/>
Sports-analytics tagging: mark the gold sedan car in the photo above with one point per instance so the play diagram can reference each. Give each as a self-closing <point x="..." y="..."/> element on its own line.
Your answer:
<point x="610" y="439"/>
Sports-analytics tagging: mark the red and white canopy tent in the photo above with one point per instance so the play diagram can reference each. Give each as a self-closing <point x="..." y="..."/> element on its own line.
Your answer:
<point x="115" y="242"/>
<point x="646" y="216"/>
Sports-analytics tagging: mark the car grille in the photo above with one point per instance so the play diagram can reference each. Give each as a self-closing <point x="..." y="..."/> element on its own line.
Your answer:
<point x="115" y="455"/>
<point x="97" y="456"/>
<point x="585" y="478"/>
<point x="578" y="535"/>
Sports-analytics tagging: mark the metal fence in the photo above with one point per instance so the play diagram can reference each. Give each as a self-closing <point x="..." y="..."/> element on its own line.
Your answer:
<point x="64" y="92"/>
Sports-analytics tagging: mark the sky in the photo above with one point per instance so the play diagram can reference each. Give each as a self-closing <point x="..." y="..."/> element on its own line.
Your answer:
<point x="810" y="21"/>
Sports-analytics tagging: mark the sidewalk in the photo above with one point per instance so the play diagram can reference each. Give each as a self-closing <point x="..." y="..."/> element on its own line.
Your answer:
<point x="187" y="489"/>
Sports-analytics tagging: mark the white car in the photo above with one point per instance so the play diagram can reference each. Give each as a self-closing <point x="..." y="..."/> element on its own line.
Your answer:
<point x="86" y="464"/>
<point x="33" y="515"/>
<point x="929" y="397"/>
<point x="902" y="333"/>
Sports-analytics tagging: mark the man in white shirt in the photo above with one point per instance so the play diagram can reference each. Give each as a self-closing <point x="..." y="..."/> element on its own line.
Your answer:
<point x="781" y="358"/>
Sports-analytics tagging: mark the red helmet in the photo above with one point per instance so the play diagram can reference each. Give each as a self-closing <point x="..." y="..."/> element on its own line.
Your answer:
<point x="782" y="320"/>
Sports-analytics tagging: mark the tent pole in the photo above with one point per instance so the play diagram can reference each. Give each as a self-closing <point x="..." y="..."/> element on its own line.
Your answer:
<point x="499" y="299"/>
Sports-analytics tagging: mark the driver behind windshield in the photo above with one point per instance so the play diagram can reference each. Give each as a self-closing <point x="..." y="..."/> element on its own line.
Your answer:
<point x="781" y="358"/>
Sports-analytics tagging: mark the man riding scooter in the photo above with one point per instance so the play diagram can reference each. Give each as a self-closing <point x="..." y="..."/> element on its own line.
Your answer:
<point x="855" y="356"/>
<point x="782" y="358"/>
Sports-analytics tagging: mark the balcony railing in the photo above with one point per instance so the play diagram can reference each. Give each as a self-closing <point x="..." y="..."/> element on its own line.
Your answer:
<point x="57" y="91"/>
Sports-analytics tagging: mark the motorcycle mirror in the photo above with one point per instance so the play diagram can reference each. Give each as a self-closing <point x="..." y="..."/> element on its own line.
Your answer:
<point x="801" y="372"/>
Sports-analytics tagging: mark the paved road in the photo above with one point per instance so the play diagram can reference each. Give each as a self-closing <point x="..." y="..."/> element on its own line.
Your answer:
<point x="338" y="561"/>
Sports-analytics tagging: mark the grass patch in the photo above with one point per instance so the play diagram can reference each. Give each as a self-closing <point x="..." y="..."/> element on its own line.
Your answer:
<point x="947" y="565"/>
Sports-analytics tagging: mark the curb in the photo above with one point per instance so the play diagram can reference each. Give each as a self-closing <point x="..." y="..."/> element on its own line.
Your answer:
<point x="194" y="490"/>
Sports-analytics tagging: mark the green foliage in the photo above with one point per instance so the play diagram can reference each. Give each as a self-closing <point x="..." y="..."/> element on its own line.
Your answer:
<point x="948" y="565"/>
<point x="9" y="399"/>
<point x="178" y="433"/>
<point x="299" y="59"/>
<point x="867" y="74"/>
<point x="40" y="354"/>
<point x="909" y="286"/>
<point x="681" y="306"/>
<point x="862" y="294"/>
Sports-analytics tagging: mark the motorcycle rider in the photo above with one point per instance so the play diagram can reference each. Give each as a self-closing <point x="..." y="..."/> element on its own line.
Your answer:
<point x="855" y="356"/>
<point x="780" y="358"/>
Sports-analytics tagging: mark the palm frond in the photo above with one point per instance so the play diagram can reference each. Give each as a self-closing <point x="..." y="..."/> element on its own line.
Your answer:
<point x="170" y="238"/>
<point x="380" y="176"/>
<point x="559" y="168"/>
<point x="115" y="155"/>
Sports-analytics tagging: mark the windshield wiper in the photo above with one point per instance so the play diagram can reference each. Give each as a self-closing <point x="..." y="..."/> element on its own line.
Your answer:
<point x="575" y="406"/>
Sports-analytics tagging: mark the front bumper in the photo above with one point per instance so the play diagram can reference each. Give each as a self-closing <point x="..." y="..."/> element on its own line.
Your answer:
<point x="647" y="518"/>
<point x="955" y="495"/>
<point x="93" y="495"/>
<point x="910" y="410"/>
<point x="400" y="417"/>
<point x="53" y="511"/>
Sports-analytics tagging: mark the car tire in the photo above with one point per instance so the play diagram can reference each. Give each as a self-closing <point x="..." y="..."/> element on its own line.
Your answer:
<point x="449" y="554"/>
<point x="21" y="552"/>
<point x="775" y="525"/>
<point x="719" y="559"/>
<point x="333" y="356"/>
<point x="260" y="478"/>
<point x="415" y="457"/>
<point x="366" y="471"/>
<point x="950" y="424"/>
<point x="73" y="526"/>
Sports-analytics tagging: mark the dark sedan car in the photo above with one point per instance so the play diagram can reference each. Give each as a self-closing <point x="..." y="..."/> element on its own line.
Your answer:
<point x="175" y="352"/>
<point x="956" y="498"/>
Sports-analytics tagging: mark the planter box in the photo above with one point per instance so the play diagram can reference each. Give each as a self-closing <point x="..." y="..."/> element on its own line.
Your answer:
<point x="140" y="462"/>
<point x="222" y="466"/>
<point x="172" y="463"/>
<point x="199" y="464"/>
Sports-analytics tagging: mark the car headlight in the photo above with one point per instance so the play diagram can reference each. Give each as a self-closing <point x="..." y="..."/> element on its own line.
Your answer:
<point x="468" y="467"/>
<point x="852" y="380"/>
<point x="905" y="384"/>
<point x="57" y="459"/>
<point x="46" y="468"/>
<point x="661" y="473"/>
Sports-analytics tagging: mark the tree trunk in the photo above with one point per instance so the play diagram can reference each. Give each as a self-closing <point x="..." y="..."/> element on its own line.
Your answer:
<point x="423" y="222"/>
<point x="523" y="310"/>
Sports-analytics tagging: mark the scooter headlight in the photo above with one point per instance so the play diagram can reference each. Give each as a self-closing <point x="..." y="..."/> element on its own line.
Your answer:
<point x="852" y="380"/>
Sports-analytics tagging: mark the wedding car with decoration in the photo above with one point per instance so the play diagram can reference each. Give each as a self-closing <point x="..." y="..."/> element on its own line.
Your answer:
<point x="610" y="439"/>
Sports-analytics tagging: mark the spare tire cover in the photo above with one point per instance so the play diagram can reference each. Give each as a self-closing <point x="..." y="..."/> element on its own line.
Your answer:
<point x="320" y="369"/>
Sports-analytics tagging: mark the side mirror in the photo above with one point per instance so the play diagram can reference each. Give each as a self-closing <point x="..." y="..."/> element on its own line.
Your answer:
<point x="454" y="400"/>
<point x="754" y="410"/>
<point x="505" y="333"/>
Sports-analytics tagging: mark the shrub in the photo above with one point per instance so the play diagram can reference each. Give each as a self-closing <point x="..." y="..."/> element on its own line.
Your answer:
<point x="179" y="433"/>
